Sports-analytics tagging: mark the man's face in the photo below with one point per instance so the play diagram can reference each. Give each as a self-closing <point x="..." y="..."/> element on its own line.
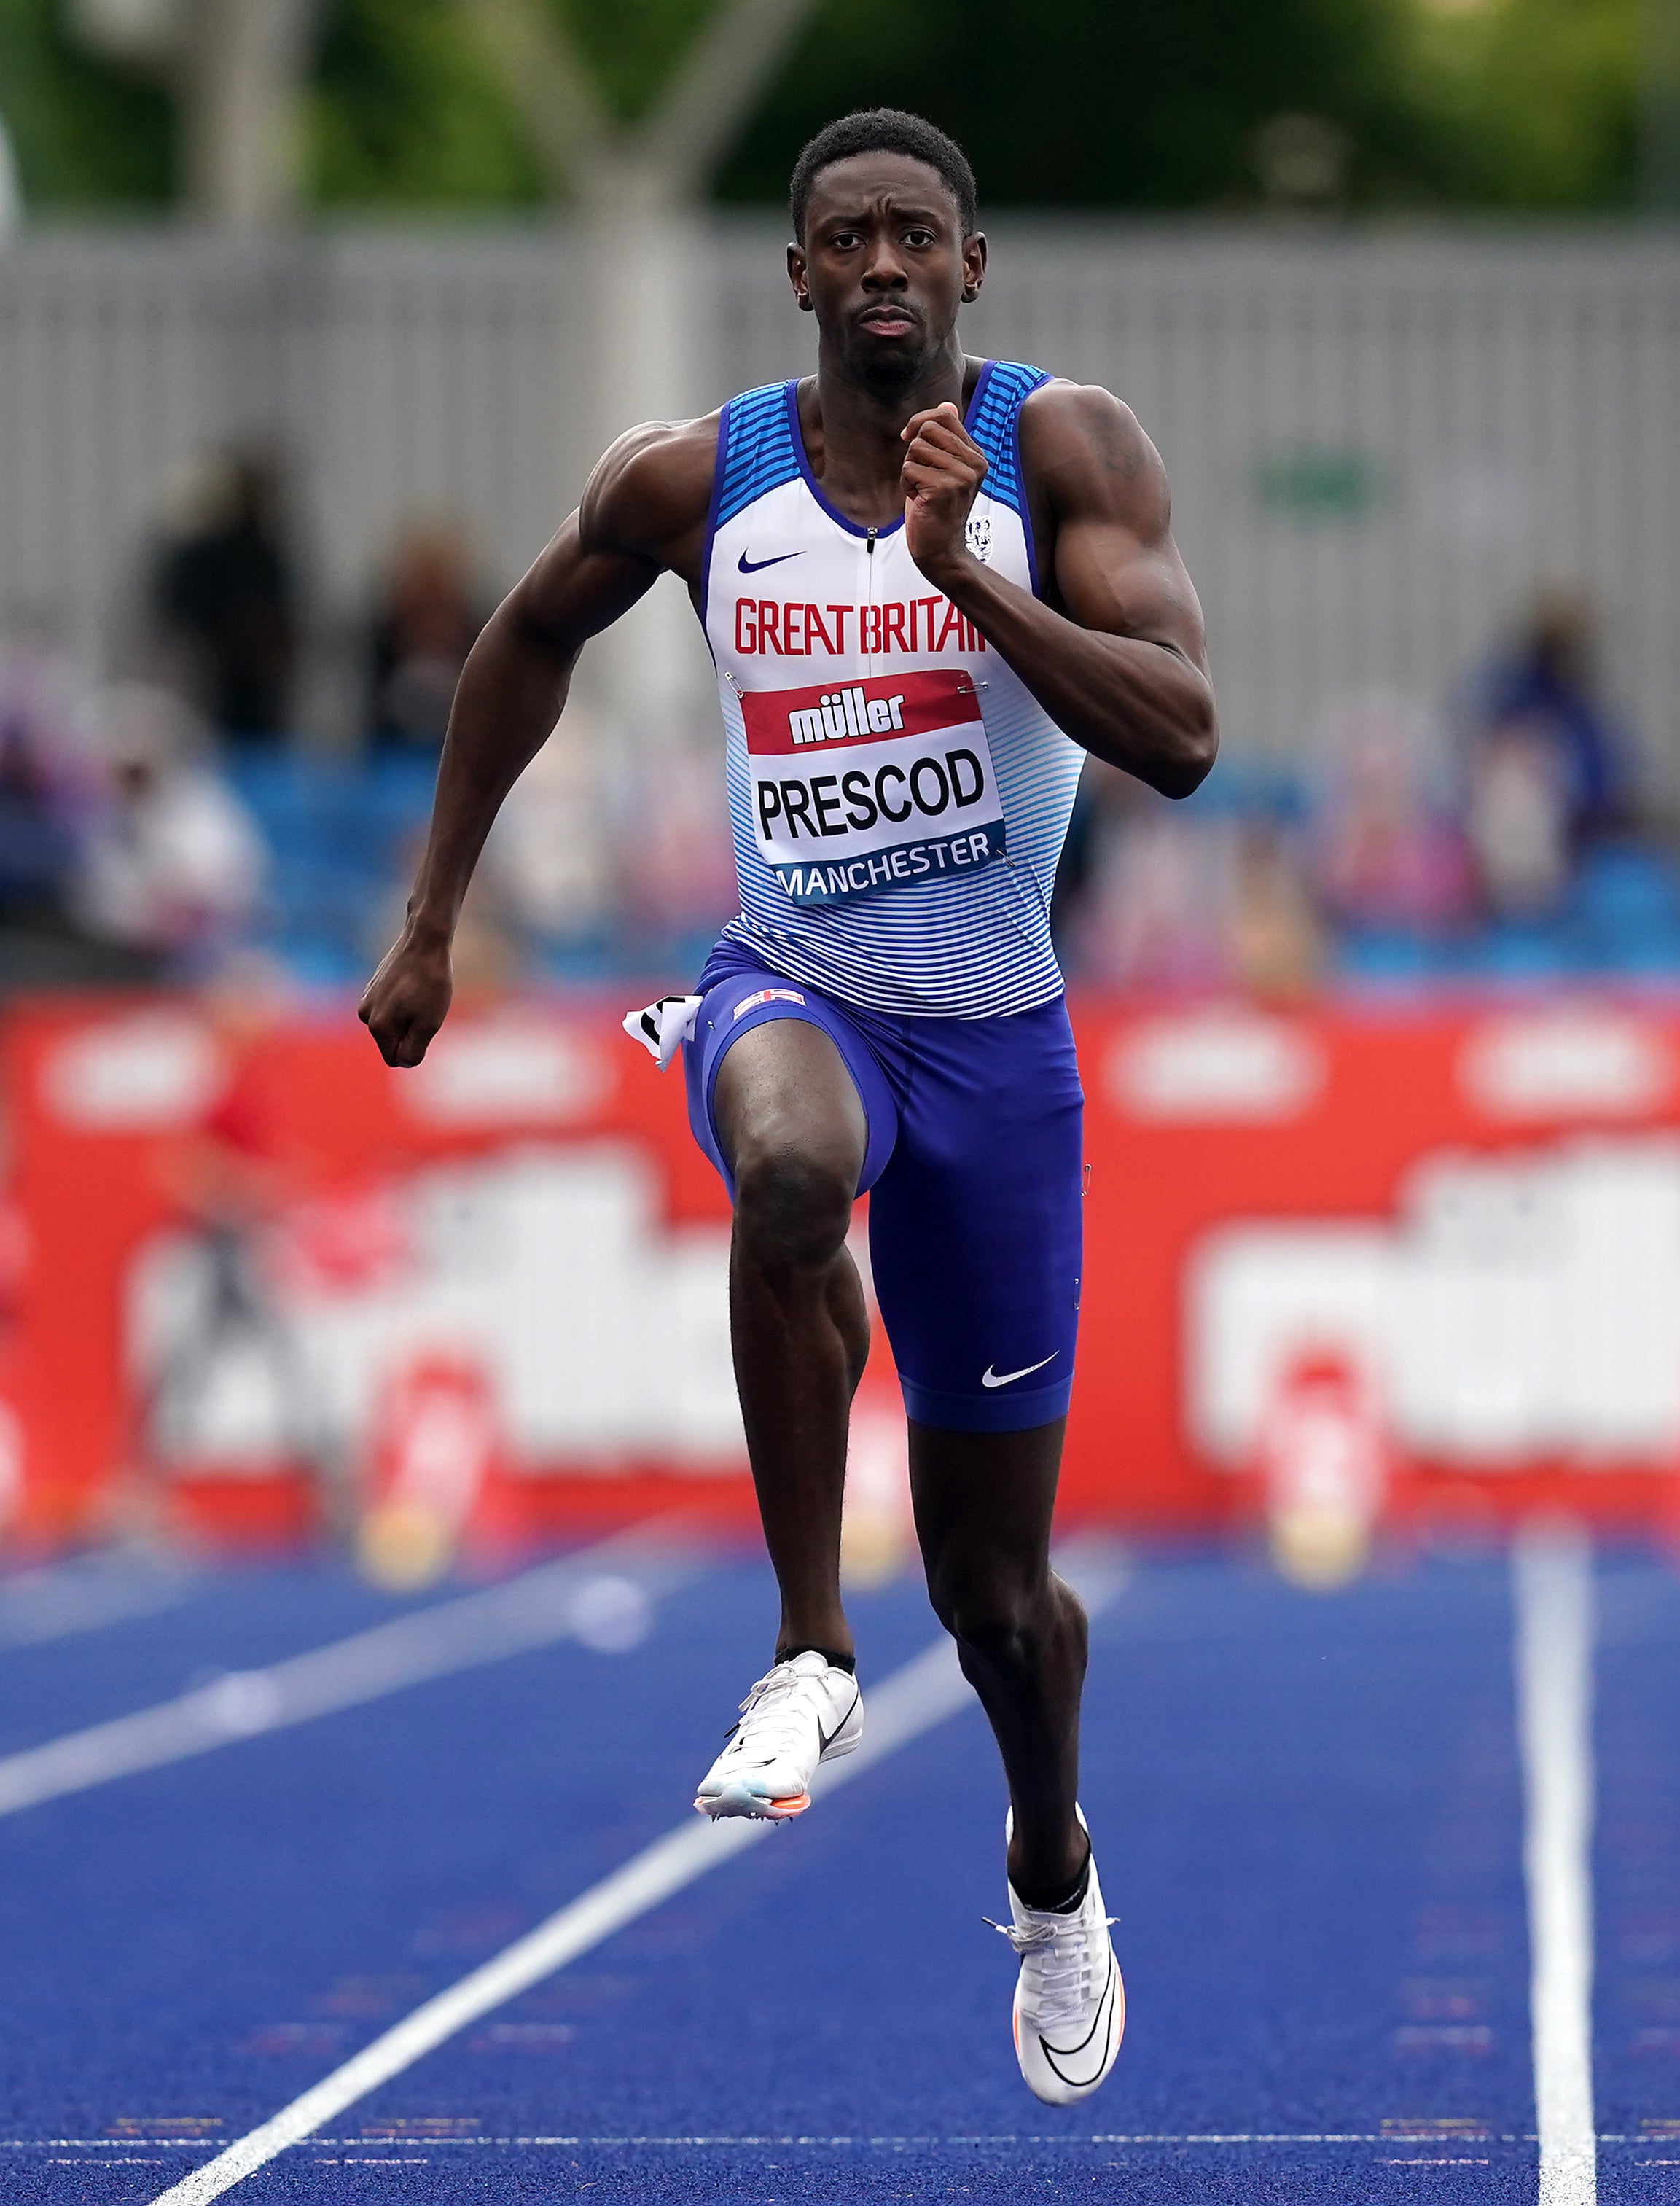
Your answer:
<point x="884" y="265"/>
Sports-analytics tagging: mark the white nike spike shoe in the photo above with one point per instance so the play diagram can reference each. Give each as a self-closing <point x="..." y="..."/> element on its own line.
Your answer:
<point x="803" y="1712"/>
<point x="1069" y="2003"/>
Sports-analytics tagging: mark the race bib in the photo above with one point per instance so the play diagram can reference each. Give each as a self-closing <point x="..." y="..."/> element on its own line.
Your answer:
<point x="871" y="784"/>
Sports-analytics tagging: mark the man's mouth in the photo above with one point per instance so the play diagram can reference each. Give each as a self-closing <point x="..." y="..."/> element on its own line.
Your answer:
<point x="887" y="321"/>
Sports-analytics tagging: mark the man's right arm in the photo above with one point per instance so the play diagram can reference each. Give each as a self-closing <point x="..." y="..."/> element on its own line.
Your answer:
<point x="643" y="510"/>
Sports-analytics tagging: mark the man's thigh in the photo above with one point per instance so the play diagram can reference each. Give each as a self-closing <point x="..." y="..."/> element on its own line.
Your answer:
<point x="773" y="1066"/>
<point x="785" y="1089"/>
<point x="975" y="1227"/>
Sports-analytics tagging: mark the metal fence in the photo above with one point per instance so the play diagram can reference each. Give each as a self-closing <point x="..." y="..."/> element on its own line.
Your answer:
<point x="1379" y="441"/>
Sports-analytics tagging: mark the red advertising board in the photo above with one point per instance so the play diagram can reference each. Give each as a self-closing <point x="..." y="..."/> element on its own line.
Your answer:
<point x="232" y="1241"/>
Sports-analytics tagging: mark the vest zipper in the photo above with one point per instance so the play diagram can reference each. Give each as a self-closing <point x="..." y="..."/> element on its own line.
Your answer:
<point x="869" y="569"/>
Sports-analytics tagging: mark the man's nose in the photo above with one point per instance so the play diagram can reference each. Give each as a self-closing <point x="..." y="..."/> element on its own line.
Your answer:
<point x="884" y="271"/>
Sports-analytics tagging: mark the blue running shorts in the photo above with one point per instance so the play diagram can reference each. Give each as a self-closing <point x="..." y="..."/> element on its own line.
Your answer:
<point x="974" y="1175"/>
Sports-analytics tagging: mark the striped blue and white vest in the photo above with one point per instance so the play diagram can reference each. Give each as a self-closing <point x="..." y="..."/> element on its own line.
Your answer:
<point x="898" y="798"/>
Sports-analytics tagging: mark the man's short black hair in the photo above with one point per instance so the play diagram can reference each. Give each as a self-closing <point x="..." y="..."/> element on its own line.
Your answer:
<point x="885" y="130"/>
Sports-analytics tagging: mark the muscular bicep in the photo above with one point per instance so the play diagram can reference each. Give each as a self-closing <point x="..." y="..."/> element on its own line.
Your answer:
<point x="573" y="590"/>
<point x="643" y="510"/>
<point x="1115" y="569"/>
<point x="1110" y="581"/>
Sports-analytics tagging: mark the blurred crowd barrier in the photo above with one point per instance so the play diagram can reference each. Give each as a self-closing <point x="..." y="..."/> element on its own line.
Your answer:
<point x="1510" y="835"/>
<point x="1422" y="1266"/>
<point x="1380" y="441"/>
<point x="1426" y="479"/>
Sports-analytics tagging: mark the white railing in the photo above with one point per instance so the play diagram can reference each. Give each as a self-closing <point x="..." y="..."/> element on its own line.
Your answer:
<point x="1380" y="441"/>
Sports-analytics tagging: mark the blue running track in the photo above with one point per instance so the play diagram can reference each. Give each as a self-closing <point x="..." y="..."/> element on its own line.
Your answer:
<point x="1308" y="1816"/>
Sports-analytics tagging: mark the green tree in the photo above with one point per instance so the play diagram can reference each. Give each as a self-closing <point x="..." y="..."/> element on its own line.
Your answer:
<point x="1127" y="104"/>
<point x="1097" y="103"/>
<point x="406" y="111"/>
<point x="631" y="44"/>
<point x="1530" y="103"/>
<point x="86" y="134"/>
<point x="1102" y="104"/>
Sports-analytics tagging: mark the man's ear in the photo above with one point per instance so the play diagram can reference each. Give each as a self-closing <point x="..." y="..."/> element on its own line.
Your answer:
<point x="974" y="266"/>
<point x="797" y="265"/>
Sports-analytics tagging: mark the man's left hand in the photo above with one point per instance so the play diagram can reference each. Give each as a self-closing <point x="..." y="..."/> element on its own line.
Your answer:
<point x="943" y="470"/>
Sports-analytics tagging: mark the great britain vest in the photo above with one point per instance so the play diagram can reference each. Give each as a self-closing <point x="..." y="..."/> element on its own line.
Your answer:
<point x="898" y="798"/>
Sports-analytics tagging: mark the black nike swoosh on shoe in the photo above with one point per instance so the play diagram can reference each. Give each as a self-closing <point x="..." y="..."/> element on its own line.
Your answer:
<point x="1068" y="2052"/>
<point x="824" y="1744"/>
<point x="753" y="566"/>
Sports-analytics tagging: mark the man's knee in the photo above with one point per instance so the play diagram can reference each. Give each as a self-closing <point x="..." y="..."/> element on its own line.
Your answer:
<point x="991" y="1613"/>
<point x="793" y="1203"/>
<point x="1003" y="1620"/>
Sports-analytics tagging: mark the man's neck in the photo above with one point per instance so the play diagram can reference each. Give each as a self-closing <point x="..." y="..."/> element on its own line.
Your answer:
<point x="852" y="432"/>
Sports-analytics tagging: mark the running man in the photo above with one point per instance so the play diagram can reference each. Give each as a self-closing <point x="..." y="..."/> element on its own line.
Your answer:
<point x="930" y="585"/>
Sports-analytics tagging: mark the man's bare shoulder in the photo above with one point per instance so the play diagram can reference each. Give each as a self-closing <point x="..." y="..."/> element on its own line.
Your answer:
<point x="1085" y="448"/>
<point x="652" y="490"/>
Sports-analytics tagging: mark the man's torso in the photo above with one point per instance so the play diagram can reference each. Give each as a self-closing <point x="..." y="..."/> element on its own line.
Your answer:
<point x="898" y="796"/>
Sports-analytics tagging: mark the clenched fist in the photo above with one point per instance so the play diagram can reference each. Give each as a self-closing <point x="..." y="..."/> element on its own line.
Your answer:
<point x="406" y="1000"/>
<point x="943" y="470"/>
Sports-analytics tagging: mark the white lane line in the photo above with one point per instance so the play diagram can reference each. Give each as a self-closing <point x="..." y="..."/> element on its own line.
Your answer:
<point x="923" y="1693"/>
<point x="1552" y="1566"/>
<point x="398" y="2136"/>
<point x="54" y="1602"/>
<point x="534" y="1610"/>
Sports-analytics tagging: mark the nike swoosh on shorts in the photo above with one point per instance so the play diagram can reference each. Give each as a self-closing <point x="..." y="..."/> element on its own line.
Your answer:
<point x="751" y="566"/>
<point x="991" y="1378"/>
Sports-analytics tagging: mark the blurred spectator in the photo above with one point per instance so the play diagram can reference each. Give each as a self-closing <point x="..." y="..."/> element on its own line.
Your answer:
<point x="1386" y="851"/>
<point x="1157" y="913"/>
<point x="1276" y="944"/>
<point x="227" y="1392"/>
<point x="675" y="856"/>
<point x="1517" y="817"/>
<point x="175" y="865"/>
<point x="1548" y="686"/>
<point x="488" y="955"/>
<point x="50" y="777"/>
<point x="224" y="596"/>
<point x="1191" y="899"/>
<point x="1077" y="864"/>
<point x="1545" y="772"/>
<point x="425" y="623"/>
<point x="550" y="852"/>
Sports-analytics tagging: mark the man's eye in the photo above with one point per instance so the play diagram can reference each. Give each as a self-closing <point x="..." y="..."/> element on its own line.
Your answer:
<point x="918" y="237"/>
